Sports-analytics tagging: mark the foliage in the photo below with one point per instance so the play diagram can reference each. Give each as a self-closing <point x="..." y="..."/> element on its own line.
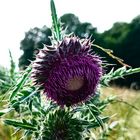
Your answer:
<point x="4" y="79"/>
<point x="7" y="77"/>
<point x="122" y="125"/>
<point x="35" y="111"/>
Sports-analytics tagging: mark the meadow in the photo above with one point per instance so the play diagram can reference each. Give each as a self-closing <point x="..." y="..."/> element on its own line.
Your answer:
<point x="125" y="116"/>
<point x="126" y="113"/>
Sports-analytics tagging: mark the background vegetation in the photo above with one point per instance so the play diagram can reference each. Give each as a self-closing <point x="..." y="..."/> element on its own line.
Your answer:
<point x="123" y="38"/>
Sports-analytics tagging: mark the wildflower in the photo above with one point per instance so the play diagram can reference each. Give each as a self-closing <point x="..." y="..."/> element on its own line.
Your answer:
<point x="67" y="72"/>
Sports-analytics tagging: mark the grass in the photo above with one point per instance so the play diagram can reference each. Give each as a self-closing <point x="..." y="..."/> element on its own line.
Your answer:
<point x="128" y="118"/>
<point x="127" y="113"/>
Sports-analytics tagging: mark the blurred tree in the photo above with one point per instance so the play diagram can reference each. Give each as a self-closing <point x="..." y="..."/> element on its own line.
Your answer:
<point x="69" y="22"/>
<point x="131" y="44"/>
<point x="124" y="40"/>
<point x="84" y="30"/>
<point x="72" y="24"/>
<point x="130" y="50"/>
<point x="113" y="39"/>
<point x="33" y="41"/>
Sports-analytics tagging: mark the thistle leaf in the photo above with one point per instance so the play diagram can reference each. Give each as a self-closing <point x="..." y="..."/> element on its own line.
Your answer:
<point x="55" y="22"/>
<point x="119" y="73"/>
<point x="24" y="98"/>
<point x="22" y="125"/>
<point x="97" y="124"/>
<point x="96" y="117"/>
<point x="20" y="84"/>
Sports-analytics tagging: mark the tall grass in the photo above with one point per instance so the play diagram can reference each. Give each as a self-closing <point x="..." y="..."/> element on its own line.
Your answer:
<point x="126" y="112"/>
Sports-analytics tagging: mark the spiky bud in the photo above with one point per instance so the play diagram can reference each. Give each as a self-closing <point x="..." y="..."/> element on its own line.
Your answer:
<point x="60" y="125"/>
<point x="67" y="72"/>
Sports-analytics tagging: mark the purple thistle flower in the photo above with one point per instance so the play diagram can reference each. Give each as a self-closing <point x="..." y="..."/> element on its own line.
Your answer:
<point x="67" y="72"/>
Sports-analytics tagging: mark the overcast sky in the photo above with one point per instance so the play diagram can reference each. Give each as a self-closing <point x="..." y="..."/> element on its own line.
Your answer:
<point x="18" y="16"/>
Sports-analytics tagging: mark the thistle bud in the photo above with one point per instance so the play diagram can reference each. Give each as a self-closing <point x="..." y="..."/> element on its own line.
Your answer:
<point x="60" y="125"/>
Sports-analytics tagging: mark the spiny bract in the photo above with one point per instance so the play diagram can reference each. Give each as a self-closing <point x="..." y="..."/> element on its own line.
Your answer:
<point x="60" y="125"/>
<point x="67" y="72"/>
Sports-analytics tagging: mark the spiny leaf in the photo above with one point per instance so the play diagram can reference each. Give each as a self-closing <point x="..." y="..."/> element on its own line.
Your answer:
<point x="119" y="73"/>
<point x="22" y="125"/>
<point x="55" y="22"/>
<point x="20" y="83"/>
<point x="24" y="98"/>
<point x="96" y="117"/>
<point x="131" y="71"/>
<point x="97" y="124"/>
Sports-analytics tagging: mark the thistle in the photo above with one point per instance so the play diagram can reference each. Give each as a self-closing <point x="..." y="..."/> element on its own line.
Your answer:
<point x="59" y="125"/>
<point x="67" y="72"/>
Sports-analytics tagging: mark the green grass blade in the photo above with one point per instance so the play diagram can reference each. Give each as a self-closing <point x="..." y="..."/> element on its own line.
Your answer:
<point x="55" y="22"/>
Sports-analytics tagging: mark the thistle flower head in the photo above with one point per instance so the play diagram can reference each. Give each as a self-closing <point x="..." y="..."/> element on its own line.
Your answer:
<point x="67" y="72"/>
<point x="59" y="125"/>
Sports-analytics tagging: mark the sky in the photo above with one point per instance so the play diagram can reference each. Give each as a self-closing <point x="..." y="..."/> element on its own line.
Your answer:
<point x="18" y="16"/>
